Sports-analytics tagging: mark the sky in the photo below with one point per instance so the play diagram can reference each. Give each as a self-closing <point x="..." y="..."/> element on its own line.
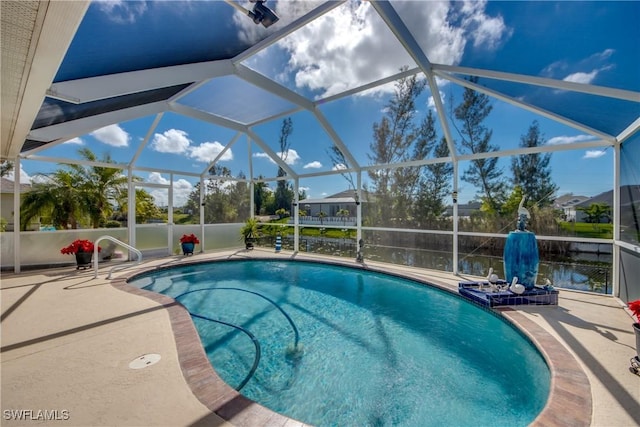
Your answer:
<point x="584" y="42"/>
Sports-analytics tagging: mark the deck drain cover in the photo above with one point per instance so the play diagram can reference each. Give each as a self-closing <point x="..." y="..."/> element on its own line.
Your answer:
<point x="144" y="361"/>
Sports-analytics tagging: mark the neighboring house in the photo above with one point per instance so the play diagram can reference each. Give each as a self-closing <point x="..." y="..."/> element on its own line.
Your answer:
<point x="567" y="203"/>
<point x="7" y="189"/>
<point x="629" y="202"/>
<point x="330" y="206"/>
<point x="464" y="209"/>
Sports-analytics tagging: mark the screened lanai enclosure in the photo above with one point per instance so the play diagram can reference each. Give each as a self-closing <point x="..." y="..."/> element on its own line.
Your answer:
<point x="411" y="131"/>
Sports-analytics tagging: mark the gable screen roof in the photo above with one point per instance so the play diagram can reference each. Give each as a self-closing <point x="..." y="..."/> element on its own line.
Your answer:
<point x="209" y="61"/>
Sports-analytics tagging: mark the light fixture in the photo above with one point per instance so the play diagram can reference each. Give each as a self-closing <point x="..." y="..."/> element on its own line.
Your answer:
<point x="260" y="14"/>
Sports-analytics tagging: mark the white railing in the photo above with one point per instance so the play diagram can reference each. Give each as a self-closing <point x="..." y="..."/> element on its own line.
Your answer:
<point x="117" y="267"/>
<point x="327" y="220"/>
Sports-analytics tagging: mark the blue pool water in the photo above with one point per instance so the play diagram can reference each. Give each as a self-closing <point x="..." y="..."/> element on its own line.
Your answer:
<point x="373" y="349"/>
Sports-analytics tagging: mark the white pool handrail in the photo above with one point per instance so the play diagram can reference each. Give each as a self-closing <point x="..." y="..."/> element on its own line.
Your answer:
<point x="117" y="267"/>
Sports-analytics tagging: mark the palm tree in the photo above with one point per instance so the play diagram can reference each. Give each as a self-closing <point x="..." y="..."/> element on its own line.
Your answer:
<point x="56" y="197"/>
<point x="99" y="186"/>
<point x="344" y="213"/>
<point x="77" y="193"/>
<point x="322" y="215"/>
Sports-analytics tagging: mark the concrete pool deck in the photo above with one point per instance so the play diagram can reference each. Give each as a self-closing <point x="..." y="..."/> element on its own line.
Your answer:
<point x="67" y="341"/>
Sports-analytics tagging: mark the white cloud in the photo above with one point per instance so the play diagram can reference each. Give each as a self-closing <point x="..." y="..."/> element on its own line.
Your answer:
<point x="157" y="178"/>
<point x="487" y="32"/>
<point x="339" y="166"/>
<point x="76" y="140"/>
<point x="177" y="141"/>
<point x="581" y="77"/>
<point x="24" y="177"/>
<point x="593" y="154"/>
<point x="559" y="140"/>
<point x="181" y="190"/>
<point x="313" y="165"/>
<point x="575" y="71"/>
<point x="171" y="141"/>
<point x="207" y="151"/>
<point x="432" y="104"/>
<point x="262" y="155"/>
<point x="351" y="45"/>
<point x="112" y="135"/>
<point x="291" y="159"/>
<point x="122" y="11"/>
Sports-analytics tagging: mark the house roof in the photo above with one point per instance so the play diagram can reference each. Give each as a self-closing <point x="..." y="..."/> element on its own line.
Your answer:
<point x="8" y="186"/>
<point x="629" y="194"/>
<point x="328" y="200"/>
<point x="568" y="200"/>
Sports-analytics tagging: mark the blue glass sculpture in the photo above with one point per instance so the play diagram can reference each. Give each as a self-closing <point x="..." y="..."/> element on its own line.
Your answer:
<point x="521" y="257"/>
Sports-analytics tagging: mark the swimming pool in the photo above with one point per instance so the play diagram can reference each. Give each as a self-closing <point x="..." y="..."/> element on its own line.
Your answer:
<point x="373" y="349"/>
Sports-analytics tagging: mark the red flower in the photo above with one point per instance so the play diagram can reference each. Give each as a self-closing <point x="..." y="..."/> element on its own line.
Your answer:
<point x="79" y="245"/>
<point x="634" y="306"/>
<point x="189" y="238"/>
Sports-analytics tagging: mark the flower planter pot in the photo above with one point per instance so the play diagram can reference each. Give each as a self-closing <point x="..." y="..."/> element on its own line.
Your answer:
<point x="248" y="242"/>
<point x="187" y="248"/>
<point x="83" y="259"/>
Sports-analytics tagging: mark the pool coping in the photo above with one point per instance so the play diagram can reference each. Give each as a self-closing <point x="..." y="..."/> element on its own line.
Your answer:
<point x="569" y="401"/>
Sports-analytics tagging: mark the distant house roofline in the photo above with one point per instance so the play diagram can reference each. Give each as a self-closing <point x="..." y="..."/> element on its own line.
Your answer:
<point x="7" y="186"/>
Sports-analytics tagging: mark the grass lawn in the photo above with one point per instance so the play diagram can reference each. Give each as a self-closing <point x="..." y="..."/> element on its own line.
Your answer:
<point x="584" y="229"/>
<point x="282" y="226"/>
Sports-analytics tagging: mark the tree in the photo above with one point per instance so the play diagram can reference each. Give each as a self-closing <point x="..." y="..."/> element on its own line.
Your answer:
<point x="239" y="196"/>
<point x="475" y="138"/>
<point x="226" y="197"/>
<point x="146" y="207"/>
<point x="79" y="195"/>
<point x="339" y="162"/>
<point x="284" y="192"/>
<point x="434" y="187"/>
<point x="393" y="141"/>
<point x="532" y="172"/>
<point x="596" y="212"/>
<point x="322" y="216"/>
<point x="56" y="198"/>
<point x="98" y="186"/>
<point x="5" y="167"/>
<point x="344" y="213"/>
<point x="260" y="195"/>
<point x="512" y="203"/>
<point x="218" y="206"/>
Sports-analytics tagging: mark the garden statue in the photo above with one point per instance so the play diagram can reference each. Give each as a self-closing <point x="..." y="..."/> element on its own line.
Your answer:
<point x="521" y="252"/>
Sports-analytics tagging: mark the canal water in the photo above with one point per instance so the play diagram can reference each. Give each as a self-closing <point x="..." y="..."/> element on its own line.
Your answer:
<point x="582" y="271"/>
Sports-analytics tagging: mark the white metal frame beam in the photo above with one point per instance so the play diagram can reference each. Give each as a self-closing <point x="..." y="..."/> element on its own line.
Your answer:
<point x="226" y="148"/>
<point x="95" y="88"/>
<point x="537" y="110"/>
<point x="627" y="95"/>
<point x="73" y="128"/>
